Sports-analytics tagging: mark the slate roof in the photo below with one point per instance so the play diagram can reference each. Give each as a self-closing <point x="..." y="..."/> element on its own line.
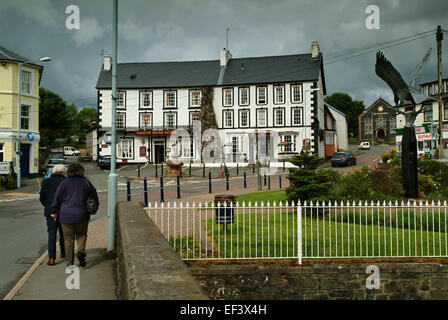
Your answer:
<point x="239" y="71"/>
<point x="8" y="55"/>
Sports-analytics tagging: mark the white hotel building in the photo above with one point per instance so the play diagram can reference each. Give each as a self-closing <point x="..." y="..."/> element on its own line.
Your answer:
<point x="281" y="95"/>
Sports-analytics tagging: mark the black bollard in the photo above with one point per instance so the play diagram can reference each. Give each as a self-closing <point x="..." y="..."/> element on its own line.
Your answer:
<point x="280" y="181"/>
<point x="156" y="169"/>
<point x="227" y="181"/>
<point x="269" y="182"/>
<point x="189" y="171"/>
<point x="203" y="170"/>
<point x="237" y="170"/>
<point x="145" y="191"/>
<point x="245" y="180"/>
<point x="264" y="179"/>
<point x="139" y="169"/>
<point x="209" y="182"/>
<point x="178" y="187"/>
<point x="253" y="167"/>
<point x="162" y="198"/>
<point x="283" y="164"/>
<point x="129" y="189"/>
<point x="161" y="169"/>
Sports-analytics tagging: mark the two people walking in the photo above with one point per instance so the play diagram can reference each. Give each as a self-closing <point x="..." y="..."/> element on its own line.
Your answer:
<point x="66" y="206"/>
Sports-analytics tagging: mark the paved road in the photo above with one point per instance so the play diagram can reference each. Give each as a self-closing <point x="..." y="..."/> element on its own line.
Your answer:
<point x="365" y="157"/>
<point x="23" y="233"/>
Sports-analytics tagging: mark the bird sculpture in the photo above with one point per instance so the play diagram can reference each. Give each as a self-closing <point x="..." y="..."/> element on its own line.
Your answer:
<point x="404" y="94"/>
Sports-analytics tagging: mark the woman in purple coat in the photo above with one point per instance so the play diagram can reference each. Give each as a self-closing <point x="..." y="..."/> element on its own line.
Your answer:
<point x="69" y="203"/>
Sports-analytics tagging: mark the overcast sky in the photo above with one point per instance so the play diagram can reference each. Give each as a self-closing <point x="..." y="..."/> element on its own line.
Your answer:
<point x="185" y="30"/>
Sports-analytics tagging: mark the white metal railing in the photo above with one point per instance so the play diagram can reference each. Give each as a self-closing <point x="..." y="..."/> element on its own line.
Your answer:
<point x="282" y="230"/>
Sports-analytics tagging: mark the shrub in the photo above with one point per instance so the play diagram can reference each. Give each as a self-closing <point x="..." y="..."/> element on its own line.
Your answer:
<point x="387" y="180"/>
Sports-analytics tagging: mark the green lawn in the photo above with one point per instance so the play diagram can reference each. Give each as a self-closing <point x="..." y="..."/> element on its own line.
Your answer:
<point x="271" y="235"/>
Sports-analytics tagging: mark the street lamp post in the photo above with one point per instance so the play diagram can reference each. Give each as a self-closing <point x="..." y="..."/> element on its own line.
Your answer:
<point x="19" y="118"/>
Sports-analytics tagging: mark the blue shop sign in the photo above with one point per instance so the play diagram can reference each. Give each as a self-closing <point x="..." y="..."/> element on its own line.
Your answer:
<point x="30" y="136"/>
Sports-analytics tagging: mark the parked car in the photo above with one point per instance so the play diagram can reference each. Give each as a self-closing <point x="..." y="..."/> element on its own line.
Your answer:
<point x="364" y="145"/>
<point x="54" y="161"/>
<point x="342" y="159"/>
<point x="104" y="162"/>
<point x="70" y="151"/>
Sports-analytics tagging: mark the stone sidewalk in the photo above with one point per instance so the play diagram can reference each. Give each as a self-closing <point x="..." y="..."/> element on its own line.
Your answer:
<point x="97" y="280"/>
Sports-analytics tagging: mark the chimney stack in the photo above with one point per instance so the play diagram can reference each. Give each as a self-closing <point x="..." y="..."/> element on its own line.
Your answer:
<point x="225" y="56"/>
<point x="315" y="50"/>
<point x="107" y="62"/>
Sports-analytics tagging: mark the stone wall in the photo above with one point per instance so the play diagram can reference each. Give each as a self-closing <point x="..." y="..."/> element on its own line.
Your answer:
<point x="148" y="268"/>
<point x="323" y="281"/>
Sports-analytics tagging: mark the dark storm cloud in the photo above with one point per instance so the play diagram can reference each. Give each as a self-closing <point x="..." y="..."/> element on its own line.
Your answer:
<point x="171" y="30"/>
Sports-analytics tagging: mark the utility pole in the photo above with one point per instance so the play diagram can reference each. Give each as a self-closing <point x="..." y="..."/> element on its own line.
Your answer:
<point x="439" y="38"/>
<point x="112" y="194"/>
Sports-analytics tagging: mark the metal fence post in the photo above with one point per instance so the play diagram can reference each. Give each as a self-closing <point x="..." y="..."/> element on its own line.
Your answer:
<point x="245" y="180"/>
<point x="299" y="232"/>
<point x="227" y="181"/>
<point x="145" y="191"/>
<point x="178" y="187"/>
<point x="209" y="182"/>
<point x="162" y="198"/>
<point x="128" y="187"/>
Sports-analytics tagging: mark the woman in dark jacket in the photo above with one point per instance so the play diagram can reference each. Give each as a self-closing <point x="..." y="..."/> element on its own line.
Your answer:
<point x="47" y="192"/>
<point x="69" y="204"/>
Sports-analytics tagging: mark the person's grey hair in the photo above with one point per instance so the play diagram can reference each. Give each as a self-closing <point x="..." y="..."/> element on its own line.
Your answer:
<point x="58" y="169"/>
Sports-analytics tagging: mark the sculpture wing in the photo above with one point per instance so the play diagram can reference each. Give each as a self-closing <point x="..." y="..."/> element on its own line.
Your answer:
<point x="386" y="71"/>
<point x="418" y="72"/>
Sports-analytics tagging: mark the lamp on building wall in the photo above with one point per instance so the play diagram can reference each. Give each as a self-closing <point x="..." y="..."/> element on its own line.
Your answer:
<point x="19" y="118"/>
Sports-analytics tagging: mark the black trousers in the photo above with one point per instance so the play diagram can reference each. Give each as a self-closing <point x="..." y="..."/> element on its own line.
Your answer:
<point x="52" y="228"/>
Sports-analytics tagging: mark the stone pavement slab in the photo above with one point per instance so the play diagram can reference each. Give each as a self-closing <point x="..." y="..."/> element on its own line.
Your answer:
<point x="97" y="280"/>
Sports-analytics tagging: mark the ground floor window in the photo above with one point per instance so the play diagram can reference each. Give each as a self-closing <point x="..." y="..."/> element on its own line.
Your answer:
<point x="125" y="148"/>
<point x="287" y="143"/>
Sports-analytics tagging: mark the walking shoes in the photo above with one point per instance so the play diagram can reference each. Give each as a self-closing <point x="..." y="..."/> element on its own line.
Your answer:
<point x="82" y="259"/>
<point x="51" y="262"/>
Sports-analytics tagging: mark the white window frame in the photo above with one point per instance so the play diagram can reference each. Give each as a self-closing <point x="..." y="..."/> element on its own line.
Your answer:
<point x="166" y="119"/>
<point x="196" y="103"/>
<point x="25" y="116"/>
<point x="166" y="98"/>
<point x="228" y="121"/>
<point x="293" y="95"/>
<point x="247" y="113"/>
<point x="276" y="117"/>
<point x="121" y="100"/>
<point x="293" y="116"/>
<point x="242" y="102"/>
<point x="144" y="97"/>
<point x="265" y="112"/>
<point x="142" y="122"/>
<point x="368" y="126"/>
<point x="227" y="97"/>
<point x="124" y="121"/>
<point x="279" y="94"/>
<point x="191" y="117"/>
<point x="125" y="148"/>
<point x="262" y="90"/>
<point x="27" y="82"/>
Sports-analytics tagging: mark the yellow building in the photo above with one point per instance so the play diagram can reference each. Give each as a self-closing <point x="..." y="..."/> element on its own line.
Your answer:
<point x="9" y="78"/>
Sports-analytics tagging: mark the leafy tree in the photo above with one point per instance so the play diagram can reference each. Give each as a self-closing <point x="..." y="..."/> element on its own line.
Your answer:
<point x="307" y="182"/>
<point x="352" y="108"/>
<point x="82" y="122"/>
<point x="55" y="118"/>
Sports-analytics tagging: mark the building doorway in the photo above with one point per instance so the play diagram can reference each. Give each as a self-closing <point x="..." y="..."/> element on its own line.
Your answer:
<point x="381" y="134"/>
<point x="25" y="160"/>
<point x="159" y="153"/>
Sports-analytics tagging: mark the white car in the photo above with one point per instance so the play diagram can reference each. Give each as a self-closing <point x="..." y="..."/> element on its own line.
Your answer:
<point x="364" y="145"/>
<point x="70" y="151"/>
